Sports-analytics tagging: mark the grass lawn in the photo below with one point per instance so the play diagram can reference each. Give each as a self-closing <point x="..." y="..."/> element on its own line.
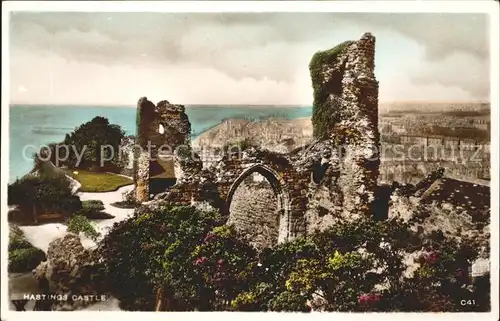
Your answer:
<point x="98" y="181"/>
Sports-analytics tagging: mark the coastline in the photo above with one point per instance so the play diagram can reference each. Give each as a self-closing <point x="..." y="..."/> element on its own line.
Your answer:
<point x="24" y="118"/>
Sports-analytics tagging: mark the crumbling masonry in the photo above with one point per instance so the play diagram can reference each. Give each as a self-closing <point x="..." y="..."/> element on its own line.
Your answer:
<point x="333" y="177"/>
<point x="160" y="129"/>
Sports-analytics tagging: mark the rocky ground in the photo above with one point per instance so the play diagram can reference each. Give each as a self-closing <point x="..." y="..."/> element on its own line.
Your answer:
<point x="42" y="235"/>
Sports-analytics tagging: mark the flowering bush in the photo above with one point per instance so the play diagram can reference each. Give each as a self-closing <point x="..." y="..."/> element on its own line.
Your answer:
<point x="227" y="265"/>
<point x="198" y="263"/>
<point x="153" y="250"/>
<point x="370" y="298"/>
<point x="441" y="281"/>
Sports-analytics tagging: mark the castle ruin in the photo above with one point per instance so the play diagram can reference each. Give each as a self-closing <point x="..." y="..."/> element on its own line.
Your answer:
<point x="333" y="177"/>
<point x="160" y="129"/>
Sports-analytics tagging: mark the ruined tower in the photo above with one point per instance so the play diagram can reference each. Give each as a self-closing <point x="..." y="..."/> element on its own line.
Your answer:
<point x="311" y="190"/>
<point x="345" y="112"/>
<point x="161" y="129"/>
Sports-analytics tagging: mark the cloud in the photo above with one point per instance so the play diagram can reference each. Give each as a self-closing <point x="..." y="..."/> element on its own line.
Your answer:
<point x="456" y="49"/>
<point x="458" y="70"/>
<point x="265" y="46"/>
<point x="441" y="34"/>
<point x="240" y="45"/>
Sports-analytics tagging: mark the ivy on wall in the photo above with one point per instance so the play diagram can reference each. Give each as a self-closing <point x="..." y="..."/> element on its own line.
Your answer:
<point x="325" y="111"/>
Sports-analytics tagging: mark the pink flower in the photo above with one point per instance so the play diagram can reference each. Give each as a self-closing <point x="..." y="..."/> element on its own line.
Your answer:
<point x="363" y="299"/>
<point x="220" y="261"/>
<point x="200" y="260"/>
<point x="431" y="258"/>
<point x="369" y="298"/>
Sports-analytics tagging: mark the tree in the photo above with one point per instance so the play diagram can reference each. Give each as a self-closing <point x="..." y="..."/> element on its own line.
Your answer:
<point x="49" y="190"/>
<point x="90" y="138"/>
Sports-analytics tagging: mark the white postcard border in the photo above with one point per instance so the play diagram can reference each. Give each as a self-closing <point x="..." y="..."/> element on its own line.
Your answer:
<point x="488" y="7"/>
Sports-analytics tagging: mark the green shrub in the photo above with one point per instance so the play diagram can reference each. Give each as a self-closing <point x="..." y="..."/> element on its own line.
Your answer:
<point x="93" y="210"/>
<point x="93" y="205"/>
<point x="289" y="302"/>
<point x="157" y="246"/>
<point x="15" y="230"/>
<point x="93" y="135"/>
<point x="16" y="238"/>
<point x="79" y="223"/>
<point x="25" y="259"/>
<point x="93" y="214"/>
<point x="125" y="204"/>
<point x="257" y="299"/>
<point x="23" y="256"/>
<point x="46" y="193"/>
<point x="16" y="242"/>
<point x="227" y="265"/>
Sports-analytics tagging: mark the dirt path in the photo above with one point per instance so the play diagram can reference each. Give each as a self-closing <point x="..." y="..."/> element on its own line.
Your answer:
<point x="41" y="235"/>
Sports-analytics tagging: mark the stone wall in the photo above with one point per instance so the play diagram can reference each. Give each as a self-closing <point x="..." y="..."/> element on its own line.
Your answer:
<point x="345" y="89"/>
<point x="359" y="172"/>
<point x="161" y="130"/>
<point x="254" y="210"/>
<point x="332" y="178"/>
<point x="463" y="223"/>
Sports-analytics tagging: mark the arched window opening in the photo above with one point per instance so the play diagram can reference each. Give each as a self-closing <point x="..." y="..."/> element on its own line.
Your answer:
<point x="255" y="206"/>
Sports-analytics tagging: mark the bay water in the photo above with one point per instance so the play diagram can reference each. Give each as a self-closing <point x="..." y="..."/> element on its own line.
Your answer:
<point x="32" y="126"/>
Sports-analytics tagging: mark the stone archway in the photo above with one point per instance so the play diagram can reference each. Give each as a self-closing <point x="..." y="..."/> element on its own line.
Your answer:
<point x="260" y="223"/>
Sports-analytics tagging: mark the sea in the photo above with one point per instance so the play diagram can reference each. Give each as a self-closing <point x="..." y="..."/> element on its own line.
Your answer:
<point x="33" y="126"/>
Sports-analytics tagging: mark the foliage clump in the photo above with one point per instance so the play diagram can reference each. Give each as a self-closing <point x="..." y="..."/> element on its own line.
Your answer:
<point x="25" y="259"/>
<point x="325" y="110"/>
<point x="157" y="246"/>
<point x="79" y="223"/>
<point x="47" y="191"/>
<point x="97" y="141"/>
<point x="189" y="259"/>
<point x="93" y="209"/>
<point x="93" y="205"/>
<point x="23" y="256"/>
<point x="128" y="200"/>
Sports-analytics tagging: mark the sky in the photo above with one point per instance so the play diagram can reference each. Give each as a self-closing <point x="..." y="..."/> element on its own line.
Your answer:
<point x="237" y="58"/>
